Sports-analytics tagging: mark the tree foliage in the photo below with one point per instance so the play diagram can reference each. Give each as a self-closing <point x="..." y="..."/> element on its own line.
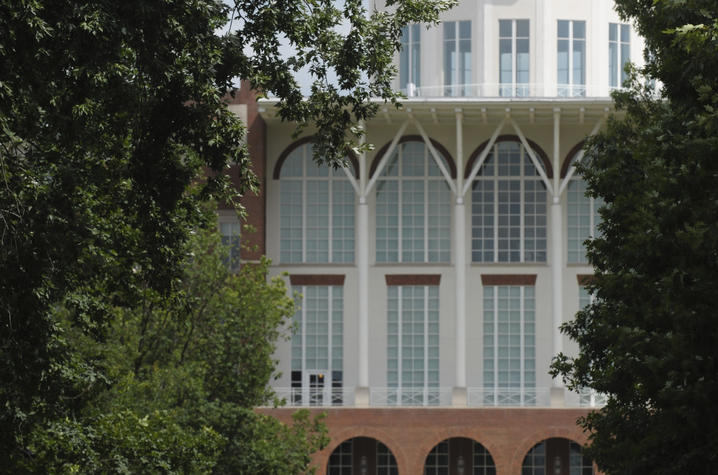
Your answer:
<point x="648" y="339"/>
<point x="179" y="381"/>
<point x="110" y="115"/>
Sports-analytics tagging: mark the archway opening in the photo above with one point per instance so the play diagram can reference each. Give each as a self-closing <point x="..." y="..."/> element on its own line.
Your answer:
<point x="362" y="456"/>
<point x="459" y="456"/>
<point x="556" y="456"/>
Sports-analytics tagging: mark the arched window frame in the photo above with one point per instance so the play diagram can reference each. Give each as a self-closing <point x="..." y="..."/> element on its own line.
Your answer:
<point x="444" y="458"/>
<point x="582" y="218"/>
<point x="342" y="460"/>
<point x="536" y="461"/>
<point x="532" y="239"/>
<point x="302" y="191"/>
<point x="434" y="209"/>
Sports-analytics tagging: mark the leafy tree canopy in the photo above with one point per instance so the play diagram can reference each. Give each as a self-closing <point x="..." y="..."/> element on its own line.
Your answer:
<point x="178" y="380"/>
<point x="648" y="339"/>
<point x="110" y="112"/>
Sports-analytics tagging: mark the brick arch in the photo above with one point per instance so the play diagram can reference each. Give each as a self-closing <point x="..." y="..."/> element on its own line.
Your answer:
<point x="342" y="435"/>
<point x="528" y="442"/>
<point x="298" y="143"/>
<point x="570" y="156"/>
<point x="442" y="434"/>
<point x="415" y="138"/>
<point x="509" y="138"/>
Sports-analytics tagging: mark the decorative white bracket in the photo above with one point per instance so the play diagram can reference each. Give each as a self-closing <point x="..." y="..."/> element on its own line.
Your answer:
<point x="579" y="157"/>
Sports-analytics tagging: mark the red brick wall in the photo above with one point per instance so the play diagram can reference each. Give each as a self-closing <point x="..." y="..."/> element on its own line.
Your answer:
<point x="411" y="433"/>
<point x="256" y="143"/>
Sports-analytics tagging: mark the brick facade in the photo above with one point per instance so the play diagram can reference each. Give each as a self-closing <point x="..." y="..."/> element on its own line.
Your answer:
<point x="254" y="204"/>
<point x="411" y="433"/>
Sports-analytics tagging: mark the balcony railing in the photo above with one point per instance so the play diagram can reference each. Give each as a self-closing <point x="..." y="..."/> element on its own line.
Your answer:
<point x="442" y="396"/>
<point x="297" y="397"/>
<point x="517" y="90"/>
<point x="482" y="397"/>
<point x="585" y="398"/>
<point x="409" y="396"/>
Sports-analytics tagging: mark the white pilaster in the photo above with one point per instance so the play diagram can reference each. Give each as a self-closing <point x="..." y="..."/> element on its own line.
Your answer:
<point x="597" y="64"/>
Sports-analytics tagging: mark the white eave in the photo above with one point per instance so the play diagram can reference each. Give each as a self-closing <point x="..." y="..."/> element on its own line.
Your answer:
<point x="479" y="110"/>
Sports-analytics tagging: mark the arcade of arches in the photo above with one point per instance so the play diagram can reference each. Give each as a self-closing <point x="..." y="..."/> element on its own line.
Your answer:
<point x="452" y="442"/>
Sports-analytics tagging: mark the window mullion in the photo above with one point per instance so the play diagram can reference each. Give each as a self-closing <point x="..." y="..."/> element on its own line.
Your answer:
<point x="426" y="344"/>
<point x="303" y="326"/>
<point x="514" y="57"/>
<point x="426" y="215"/>
<point x="305" y="229"/>
<point x="522" y="320"/>
<point x="330" y="216"/>
<point x="496" y="203"/>
<point x="399" y="352"/>
<point x="591" y="220"/>
<point x="400" y="209"/>
<point x="496" y="345"/>
<point x="328" y="383"/>
<point x="522" y="207"/>
<point x="570" y="57"/>
<point x="411" y="78"/>
<point x="457" y="56"/>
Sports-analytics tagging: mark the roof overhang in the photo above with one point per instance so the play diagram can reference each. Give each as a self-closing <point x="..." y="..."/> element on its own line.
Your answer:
<point x="475" y="110"/>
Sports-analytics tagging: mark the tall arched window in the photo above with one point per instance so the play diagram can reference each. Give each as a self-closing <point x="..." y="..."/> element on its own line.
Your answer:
<point x="413" y="208"/>
<point x="582" y="219"/>
<point x="508" y="212"/>
<point x="317" y="211"/>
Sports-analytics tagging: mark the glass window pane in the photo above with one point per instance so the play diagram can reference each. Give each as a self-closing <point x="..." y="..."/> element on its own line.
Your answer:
<point x="562" y="29"/>
<point x="505" y="28"/>
<point x="579" y="29"/>
<point x="625" y="33"/>
<point x="465" y="29"/>
<point x="522" y="28"/>
<point x="562" y="61"/>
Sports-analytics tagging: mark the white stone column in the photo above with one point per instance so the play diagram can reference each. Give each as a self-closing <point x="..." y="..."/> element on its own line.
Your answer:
<point x="459" y="396"/>
<point x="361" y="395"/>
<point x="557" y="396"/>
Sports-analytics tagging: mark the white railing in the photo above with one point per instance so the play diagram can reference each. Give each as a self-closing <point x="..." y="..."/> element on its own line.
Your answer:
<point x="298" y="397"/>
<point x="482" y="397"/>
<point x="518" y="90"/>
<point x="409" y="396"/>
<point x="585" y="398"/>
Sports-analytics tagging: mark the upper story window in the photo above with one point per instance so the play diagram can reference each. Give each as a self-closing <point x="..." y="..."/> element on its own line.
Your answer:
<point x="509" y="345"/>
<point x="619" y="52"/>
<point x="229" y="231"/>
<point x="457" y="58"/>
<point x="514" y="58"/>
<point x="582" y="220"/>
<point x="508" y="209"/>
<point x="410" y="59"/>
<point x="413" y="208"/>
<point x="571" y="58"/>
<point x="585" y="298"/>
<point x="317" y="347"/>
<point x="413" y="344"/>
<point x="316" y="211"/>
